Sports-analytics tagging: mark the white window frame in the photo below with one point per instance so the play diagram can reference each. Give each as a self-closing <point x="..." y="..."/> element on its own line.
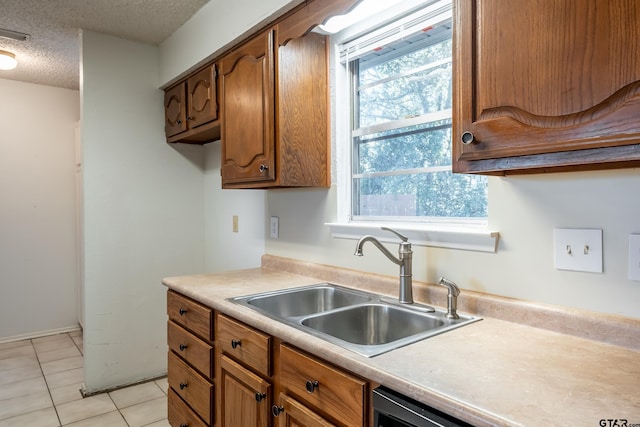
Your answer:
<point x="454" y="233"/>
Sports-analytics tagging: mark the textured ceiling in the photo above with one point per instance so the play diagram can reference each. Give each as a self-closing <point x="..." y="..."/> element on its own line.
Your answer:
<point x="51" y="56"/>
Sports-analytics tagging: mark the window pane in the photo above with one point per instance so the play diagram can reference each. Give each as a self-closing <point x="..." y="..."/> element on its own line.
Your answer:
<point x="406" y="86"/>
<point x="420" y="146"/>
<point x="436" y="194"/>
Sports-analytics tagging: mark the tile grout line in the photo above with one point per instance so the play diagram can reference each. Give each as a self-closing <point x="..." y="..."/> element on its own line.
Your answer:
<point x="46" y="382"/>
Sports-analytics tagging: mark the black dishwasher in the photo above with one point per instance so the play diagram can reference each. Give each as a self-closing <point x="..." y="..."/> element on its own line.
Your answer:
<point x="391" y="409"/>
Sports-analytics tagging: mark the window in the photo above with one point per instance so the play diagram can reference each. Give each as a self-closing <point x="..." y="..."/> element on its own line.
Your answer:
<point x="400" y="106"/>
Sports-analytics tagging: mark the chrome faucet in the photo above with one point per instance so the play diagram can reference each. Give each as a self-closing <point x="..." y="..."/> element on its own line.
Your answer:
<point x="404" y="261"/>
<point x="452" y="298"/>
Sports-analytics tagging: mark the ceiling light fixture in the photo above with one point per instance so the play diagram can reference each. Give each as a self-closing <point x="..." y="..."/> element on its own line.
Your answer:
<point x="7" y="60"/>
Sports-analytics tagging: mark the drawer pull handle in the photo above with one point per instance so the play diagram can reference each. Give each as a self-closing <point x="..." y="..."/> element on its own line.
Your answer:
<point x="260" y="396"/>
<point x="277" y="410"/>
<point x="183" y="347"/>
<point x="467" y="138"/>
<point x="183" y="386"/>
<point x="235" y="343"/>
<point x="312" y="385"/>
<point x="182" y="311"/>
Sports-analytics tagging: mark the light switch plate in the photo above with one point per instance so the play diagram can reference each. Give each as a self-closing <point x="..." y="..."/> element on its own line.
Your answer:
<point x="634" y="257"/>
<point x="578" y="249"/>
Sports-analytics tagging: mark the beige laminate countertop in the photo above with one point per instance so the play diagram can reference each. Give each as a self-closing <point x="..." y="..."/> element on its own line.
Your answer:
<point x="490" y="372"/>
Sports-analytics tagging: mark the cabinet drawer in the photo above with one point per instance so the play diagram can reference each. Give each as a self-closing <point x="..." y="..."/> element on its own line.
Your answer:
<point x="341" y="396"/>
<point x="193" y="350"/>
<point x="245" y="344"/>
<point x="192" y="387"/>
<point x="180" y="414"/>
<point x="191" y="315"/>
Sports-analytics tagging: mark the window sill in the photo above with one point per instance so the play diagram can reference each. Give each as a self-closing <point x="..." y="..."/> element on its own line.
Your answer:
<point x="470" y="238"/>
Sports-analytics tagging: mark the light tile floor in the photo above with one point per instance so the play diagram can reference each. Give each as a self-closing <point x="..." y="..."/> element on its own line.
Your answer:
<point x="40" y="381"/>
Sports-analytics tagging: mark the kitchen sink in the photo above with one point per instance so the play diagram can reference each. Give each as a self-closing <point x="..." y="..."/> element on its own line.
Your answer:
<point x="366" y="323"/>
<point x="372" y="324"/>
<point x="306" y="300"/>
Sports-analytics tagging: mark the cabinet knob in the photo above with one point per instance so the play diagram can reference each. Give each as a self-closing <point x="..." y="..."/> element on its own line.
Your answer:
<point x="277" y="410"/>
<point x="235" y="343"/>
<point x="184" y="425"/>
<point x="260" y="396"/>
<point x="182" y="311"/>
<point x="312" y="385"/>
<point x="467" y="138"/>
<point x="183" y="386"/>
<point x="183" y="347"/>
<point x="179" y="121"/>
<point x="263" y="168"/>
<point x="189" y="118"/>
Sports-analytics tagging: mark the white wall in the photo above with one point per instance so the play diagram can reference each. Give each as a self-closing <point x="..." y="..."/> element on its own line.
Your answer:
<point x="37" y="211"/>
<point x="213" y="28"/>
<point x="525" y="210"/>
<point x="226" y="250"/>
<point x="143" y="210"/>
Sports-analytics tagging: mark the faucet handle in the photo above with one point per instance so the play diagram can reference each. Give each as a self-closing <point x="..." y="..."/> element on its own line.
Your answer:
<point x="401" y="236"/>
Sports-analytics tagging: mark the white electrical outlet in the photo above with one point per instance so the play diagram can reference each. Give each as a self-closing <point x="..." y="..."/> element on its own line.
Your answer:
<point x="634" y="257"/>
<point x="275" y="225"/>
<point x="578" y="249"/>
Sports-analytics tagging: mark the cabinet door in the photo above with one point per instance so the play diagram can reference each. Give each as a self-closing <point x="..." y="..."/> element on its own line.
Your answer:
<point x="201" y="97"/>
<point x="294" y="414"/>
<point x="175" y="115"/>
<point x="245" y="397"/>
<point x="247" y="111"/>
<point x="549" y="84"/>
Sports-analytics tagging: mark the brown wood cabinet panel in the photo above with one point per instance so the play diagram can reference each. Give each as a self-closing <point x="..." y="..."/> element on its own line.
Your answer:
<point x="294" y="414"/>
<point x="175" y="113"/>
<point x="194" y="351"/>
<point x="247" y="93"/>
<point x="338" y="396"/>
<point x="201" y="97"/>
<point x="245" y="344"/>
<point x="192" y="387"/>
<point x="314" y="13"/>
<point x="180" y="414"/>
<point x="553" y="85"/>
<point x="246" y="398"/>
<point x="191" y="108"/>
<point x="303" y="104"/>
<point x="191" y="315"/>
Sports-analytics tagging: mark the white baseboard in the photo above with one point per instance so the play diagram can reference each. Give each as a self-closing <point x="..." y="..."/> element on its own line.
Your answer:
<point x="40" y="334"/>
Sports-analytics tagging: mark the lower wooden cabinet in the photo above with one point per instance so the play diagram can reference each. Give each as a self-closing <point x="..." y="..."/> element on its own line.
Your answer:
<point x="180" y="414"/>
<point x="244" y="395"/>
<point x="191" y="396"/>
<point x="292" y="413"/>
<point x="330" y="391"/>
<point x="191" y="387"/>
<point x="247" y="378"/>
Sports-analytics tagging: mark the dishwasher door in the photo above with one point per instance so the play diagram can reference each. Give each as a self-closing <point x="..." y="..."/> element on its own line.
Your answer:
<point x="391" y="409"/>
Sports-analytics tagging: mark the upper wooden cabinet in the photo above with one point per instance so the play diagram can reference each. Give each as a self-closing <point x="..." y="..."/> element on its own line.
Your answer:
<point x="274" y="98"/>
<point x="191" y="108"/>
<point x="246" y="97"/>
<point x="546" y="85"/>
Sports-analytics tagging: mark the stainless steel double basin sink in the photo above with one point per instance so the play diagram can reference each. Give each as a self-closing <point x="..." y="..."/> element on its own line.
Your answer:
<point x="363" y="322"/>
